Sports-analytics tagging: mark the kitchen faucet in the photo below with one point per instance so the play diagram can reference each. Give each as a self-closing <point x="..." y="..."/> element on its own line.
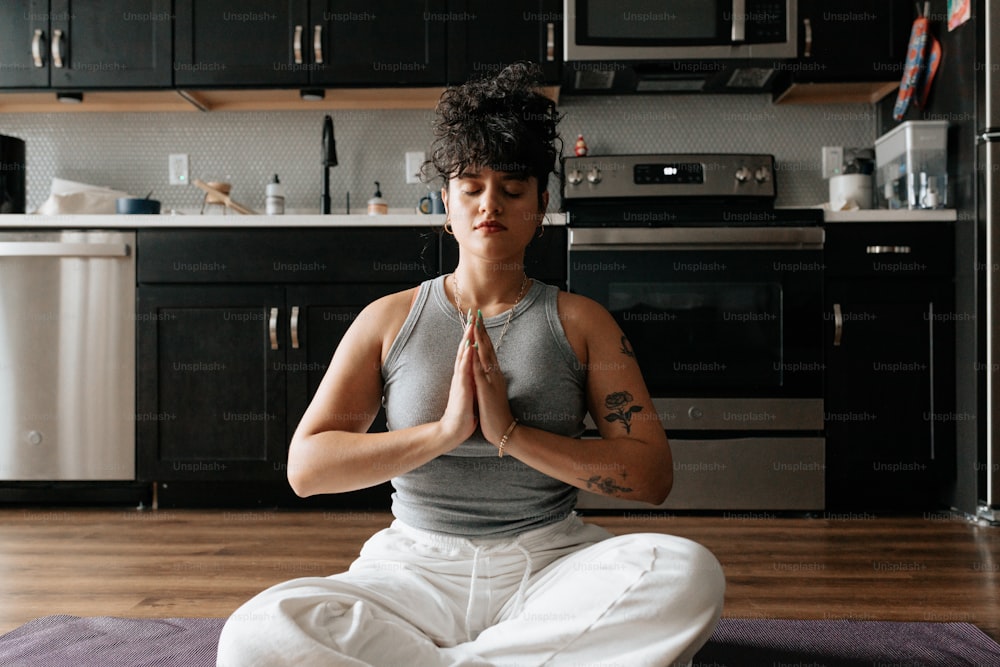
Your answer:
<point x="329" y="160"/>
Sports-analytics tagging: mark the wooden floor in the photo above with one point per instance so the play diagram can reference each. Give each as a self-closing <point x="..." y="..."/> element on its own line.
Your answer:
<point x="136" y="563"/>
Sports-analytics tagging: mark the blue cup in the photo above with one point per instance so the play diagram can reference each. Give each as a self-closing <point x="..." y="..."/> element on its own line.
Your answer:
<point x="431" y="203"/>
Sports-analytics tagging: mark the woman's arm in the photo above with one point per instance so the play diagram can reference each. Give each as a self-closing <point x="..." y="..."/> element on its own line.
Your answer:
<point x="331" y="451"/>
<point x="632" y="457"/>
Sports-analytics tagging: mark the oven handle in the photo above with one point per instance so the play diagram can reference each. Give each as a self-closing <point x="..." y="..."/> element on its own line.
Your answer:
<point x="697" y="238"/>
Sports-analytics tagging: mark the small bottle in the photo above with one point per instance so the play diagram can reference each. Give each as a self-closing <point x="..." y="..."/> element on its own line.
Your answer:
<point x="377" y="205"/>
<point x="274" y="202"/>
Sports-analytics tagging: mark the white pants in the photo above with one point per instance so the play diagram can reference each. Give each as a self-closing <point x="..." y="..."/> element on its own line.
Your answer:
<point x="566" y="594"/>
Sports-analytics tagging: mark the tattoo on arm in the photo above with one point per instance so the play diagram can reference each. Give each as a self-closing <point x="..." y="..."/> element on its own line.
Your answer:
<point x="626" y="348"/>
<point x="621" y="409"/>
<point x="605" y="485"/>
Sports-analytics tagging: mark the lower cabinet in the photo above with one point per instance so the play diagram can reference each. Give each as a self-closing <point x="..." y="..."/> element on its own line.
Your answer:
<point x="226" y="369"/>
<point x="890" y="349"/>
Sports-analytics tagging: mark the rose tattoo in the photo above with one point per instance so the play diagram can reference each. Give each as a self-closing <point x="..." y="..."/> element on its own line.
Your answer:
<point x="618" y="403"/>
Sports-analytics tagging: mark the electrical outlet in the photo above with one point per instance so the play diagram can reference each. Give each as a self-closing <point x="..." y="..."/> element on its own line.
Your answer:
<point x="178" y="163"/>
<point x="833" y="161"/>
<point x="414" y="160"/>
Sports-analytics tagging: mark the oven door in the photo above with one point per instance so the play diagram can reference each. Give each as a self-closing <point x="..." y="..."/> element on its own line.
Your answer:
<point x="712" y="312"/>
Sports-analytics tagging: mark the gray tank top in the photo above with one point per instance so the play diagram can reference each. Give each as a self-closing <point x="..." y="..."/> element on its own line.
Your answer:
<point x="471" y="491"/>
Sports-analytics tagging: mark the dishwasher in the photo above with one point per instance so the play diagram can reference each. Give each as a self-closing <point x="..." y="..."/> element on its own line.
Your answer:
<point x="67" y="355"/>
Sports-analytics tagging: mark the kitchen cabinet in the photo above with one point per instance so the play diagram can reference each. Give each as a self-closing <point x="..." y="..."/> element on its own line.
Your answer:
<point x="309" y="42"/>
<point x="890" y="348"/>
<point x="483" y="38"/>
<point x="856" y="45"/>
<point x="62" y="44"/>
<point x="234" y="333"/>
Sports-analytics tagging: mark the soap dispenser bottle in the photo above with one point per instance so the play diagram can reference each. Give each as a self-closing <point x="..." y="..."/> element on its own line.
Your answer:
<point x="377" y="205"/>
<point x="274" y="201"/>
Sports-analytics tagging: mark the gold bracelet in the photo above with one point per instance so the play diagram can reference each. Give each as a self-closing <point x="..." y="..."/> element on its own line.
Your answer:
<point x="506" y="434"/>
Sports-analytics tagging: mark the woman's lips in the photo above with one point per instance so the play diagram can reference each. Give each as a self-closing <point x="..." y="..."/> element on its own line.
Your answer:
<point x="490" y="226"/>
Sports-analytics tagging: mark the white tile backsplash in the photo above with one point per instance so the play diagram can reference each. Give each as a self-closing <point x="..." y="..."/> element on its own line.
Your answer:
<point x="128" y="151"/>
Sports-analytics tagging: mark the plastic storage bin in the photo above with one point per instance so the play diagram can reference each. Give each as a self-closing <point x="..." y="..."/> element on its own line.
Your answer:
<point x="911" y="165"/>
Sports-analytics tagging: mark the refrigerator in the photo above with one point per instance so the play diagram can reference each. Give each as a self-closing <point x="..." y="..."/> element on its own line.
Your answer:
<point x="965" y="94"/>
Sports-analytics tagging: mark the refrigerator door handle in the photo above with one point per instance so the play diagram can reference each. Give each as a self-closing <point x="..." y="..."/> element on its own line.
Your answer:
<point x="991" y="153"/>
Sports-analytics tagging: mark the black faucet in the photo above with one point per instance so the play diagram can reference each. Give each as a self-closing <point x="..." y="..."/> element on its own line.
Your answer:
<point x="329" y="160"/>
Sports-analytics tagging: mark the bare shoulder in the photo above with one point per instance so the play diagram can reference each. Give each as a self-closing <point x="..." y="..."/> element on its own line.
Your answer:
<point x="586" y="323"/>
<point x="382" y="319"/>
<point x="580" y="312"/>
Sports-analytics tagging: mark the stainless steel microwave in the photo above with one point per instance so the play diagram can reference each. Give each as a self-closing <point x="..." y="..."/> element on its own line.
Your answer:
<point x="651" y="30"/>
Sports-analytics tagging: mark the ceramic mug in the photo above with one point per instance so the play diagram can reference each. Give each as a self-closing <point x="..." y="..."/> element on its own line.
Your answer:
<point x="431" y="203"/>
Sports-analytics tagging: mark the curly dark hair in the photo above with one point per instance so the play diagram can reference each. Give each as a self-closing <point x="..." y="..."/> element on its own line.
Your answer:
<point x="502" y="122"/>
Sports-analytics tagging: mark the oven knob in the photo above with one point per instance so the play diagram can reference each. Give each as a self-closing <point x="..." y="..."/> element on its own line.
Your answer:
<point x="762" y="175"/>
<point x="574" y="177"/>
<point x="742" y="175"/>
<point x="694" y="412"/>
<point x="594" y="175"/>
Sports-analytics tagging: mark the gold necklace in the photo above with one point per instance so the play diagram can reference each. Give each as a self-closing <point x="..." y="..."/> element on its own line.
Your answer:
<point x="510" y="315"/>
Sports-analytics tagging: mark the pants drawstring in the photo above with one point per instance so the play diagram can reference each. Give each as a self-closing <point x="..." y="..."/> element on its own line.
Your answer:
<point x="472" y="593"/>
<point x="523" y="588"/>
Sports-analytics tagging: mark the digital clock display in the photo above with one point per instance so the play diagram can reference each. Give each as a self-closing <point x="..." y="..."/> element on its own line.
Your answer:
<point x="669" y="173"/>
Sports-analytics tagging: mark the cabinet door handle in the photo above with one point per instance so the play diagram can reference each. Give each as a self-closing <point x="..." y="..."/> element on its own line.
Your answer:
<point x="550" y="42"/>
<point x="297" y="45"/>
<point x="807" y="30"/>
<point x="293" y="327"/>
<point x="272" y="328"/>
<point x="57" y="60"/>
<point x="36" y="49"/>
<point x="888" y="250"/>
<point x="318" y="44"/>
<point x="838" y="324"/>
<point x="739" y="17"/>
<point x="930" y="372"/>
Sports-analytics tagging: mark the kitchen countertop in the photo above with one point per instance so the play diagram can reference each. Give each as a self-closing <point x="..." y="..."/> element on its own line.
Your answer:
<point x="391" y="220"/>
<point x="222" y="221"/>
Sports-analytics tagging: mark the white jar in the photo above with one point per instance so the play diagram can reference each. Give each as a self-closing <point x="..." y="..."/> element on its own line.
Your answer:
<point x="274" y="201"/>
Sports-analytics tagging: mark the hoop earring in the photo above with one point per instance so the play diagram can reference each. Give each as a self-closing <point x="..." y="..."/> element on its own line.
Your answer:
<point x="447" y="229"/>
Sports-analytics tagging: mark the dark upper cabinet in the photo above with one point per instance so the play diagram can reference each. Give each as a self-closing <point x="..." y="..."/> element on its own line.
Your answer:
<point x="299" y="43"/>
<point x="378" y="42"/>
<point x="853" y="40"/>
<point x="241" y="43"/>
<point x="484" y="37"/>
<point x="66" y="44"/>
<point x="24" y="40"/>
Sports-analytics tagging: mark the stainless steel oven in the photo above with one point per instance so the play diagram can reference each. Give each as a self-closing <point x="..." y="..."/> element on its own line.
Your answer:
<point x="720" y="296"/>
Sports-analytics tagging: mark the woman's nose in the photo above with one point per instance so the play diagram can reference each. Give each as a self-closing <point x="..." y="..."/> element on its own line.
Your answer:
<point x="489" y="202"/>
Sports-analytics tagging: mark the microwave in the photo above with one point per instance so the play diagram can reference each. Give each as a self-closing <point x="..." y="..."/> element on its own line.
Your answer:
<point x="658" y="30"/>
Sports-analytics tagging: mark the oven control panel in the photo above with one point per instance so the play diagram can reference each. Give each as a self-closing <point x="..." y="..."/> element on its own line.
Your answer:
<point x="681" y="175"/>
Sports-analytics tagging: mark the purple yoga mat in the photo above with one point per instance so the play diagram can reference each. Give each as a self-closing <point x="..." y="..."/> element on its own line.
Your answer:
<point x="104" y="641"/>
